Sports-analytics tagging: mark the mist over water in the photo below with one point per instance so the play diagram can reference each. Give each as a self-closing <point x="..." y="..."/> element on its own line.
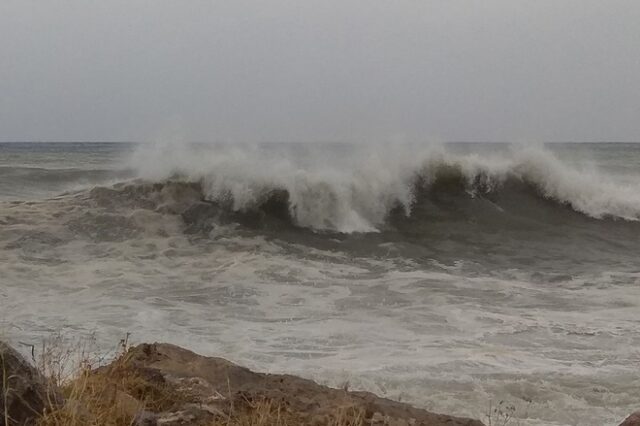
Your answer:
<point x="445" y="276"/>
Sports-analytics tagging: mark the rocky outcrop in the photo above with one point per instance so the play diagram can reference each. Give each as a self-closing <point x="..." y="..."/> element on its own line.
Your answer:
<point x="211" y="387"/>
<point x="23" y="393"/>
<point x="632" y="420"/>
<point x="162" y="384"/>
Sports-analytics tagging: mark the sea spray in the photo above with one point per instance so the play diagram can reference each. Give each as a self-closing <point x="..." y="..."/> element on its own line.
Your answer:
<point x="355" y="192"/>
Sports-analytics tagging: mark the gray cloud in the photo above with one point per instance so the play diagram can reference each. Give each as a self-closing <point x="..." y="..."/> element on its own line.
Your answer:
<point x="303" y="70"/>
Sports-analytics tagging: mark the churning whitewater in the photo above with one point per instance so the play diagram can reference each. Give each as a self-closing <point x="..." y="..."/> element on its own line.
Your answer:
<point x="445" y="276"/>
<point x="358" y="195"/>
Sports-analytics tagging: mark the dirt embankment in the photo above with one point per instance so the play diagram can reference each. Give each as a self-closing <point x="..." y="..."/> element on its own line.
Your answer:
<point x="163" y="384"/>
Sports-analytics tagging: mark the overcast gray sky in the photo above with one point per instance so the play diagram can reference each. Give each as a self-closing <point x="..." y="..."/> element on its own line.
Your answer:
<point x="307" y="70"/>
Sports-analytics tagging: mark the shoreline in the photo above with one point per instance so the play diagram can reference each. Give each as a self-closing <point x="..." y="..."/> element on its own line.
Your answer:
<point x="164" y="384"/>
<point x="161" y="384"/>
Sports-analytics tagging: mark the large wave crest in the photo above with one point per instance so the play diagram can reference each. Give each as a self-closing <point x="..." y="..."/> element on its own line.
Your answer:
<point x="354" y="189"/>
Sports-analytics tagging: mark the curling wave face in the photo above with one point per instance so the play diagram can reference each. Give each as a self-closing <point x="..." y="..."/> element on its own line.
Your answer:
<point x="358" y="192"/>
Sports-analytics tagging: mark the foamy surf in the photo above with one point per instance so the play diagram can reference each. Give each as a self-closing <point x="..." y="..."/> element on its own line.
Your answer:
<point x="358" y="192"/>
<point x="441" y="276"/>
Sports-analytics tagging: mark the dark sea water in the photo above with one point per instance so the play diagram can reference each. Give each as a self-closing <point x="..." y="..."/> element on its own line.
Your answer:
<point x="446" y="276"/>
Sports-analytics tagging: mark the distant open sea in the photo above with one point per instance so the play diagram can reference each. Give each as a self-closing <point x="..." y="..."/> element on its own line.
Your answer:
<point x="446" y="276"/>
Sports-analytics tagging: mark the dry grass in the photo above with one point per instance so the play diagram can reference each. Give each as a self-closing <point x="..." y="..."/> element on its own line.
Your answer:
<point x="506" y="414"/>
<point x="104" y="401"/>
<point x="99" y="399"/>
<point x="270" y="413"/>
<point x="5" y="387"/>
<point x="114" y="395"/>
<point x="105" y="396"/>
<point x="262" y="413"/>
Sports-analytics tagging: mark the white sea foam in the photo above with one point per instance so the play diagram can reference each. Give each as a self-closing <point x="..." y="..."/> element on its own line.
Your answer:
<point x="447" y="330"/>
<point x="355" y="190"/>
<point x="436" y="337"/>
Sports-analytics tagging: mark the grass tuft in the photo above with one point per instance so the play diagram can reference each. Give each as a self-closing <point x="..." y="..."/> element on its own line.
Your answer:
<point x="94" y="394"/>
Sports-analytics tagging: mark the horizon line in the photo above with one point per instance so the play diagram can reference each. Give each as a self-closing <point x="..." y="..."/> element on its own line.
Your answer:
<point x="318" y="141"/>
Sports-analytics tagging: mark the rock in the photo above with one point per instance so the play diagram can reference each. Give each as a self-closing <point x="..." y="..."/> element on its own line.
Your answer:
<point x="632" y="420"/>
<point x="24" y="390"/>
<point x="215" y="385"/>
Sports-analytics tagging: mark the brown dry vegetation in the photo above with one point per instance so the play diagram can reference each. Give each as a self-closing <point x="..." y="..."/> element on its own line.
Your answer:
<point x="116" y="394"/>
<point x="113" y="396"/>
<point x="163" y="384"/>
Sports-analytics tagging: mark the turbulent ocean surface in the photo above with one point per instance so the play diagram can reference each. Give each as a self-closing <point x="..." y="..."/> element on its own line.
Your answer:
<point x="449" y="276"/>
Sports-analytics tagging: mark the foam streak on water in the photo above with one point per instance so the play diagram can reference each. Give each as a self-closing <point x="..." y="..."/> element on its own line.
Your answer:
<point x="445" y="277"/>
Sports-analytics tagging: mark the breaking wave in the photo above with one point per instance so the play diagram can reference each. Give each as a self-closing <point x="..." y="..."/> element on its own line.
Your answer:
<point x="363" y="192"/>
